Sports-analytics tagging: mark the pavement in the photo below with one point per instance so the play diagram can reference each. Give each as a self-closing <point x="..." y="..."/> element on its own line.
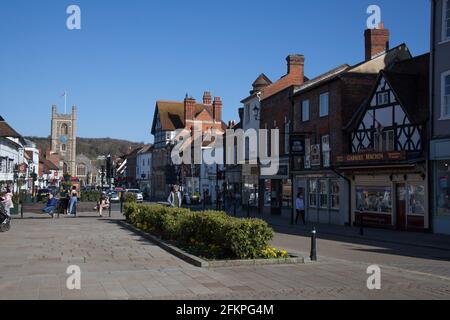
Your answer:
<point x="118" y="264"/>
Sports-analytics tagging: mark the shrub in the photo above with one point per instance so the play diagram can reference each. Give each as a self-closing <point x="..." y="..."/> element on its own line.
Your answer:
<point x="90" y="196"/>
<point x="130" y="197"/>
<point x="211" y="234"/>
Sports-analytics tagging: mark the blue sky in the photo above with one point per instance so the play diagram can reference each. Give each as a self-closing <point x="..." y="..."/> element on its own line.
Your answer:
<point x="131" y="53"/>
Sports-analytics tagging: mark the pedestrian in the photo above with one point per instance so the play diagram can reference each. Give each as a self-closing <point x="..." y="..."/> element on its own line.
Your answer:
<point x="175" y="197"/>
<point x="7" y="201"/>
<point x="52" y="202"/>
<point x="73" y="202"/>
<point x="300" y="208"/>
<point x="103" y="204"/>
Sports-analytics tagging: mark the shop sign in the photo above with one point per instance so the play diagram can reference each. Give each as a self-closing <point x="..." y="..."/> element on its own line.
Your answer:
<point x="315" y="155"/>
<point x="372" y="157"/>
<point x="297" y="145"/>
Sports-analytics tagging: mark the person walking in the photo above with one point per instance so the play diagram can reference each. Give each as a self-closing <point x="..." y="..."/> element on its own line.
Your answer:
<point x="73" y="202"/>
<point x="300" y="208"/>
<point x="7" y="201"/>
<point x="174" y="197"/>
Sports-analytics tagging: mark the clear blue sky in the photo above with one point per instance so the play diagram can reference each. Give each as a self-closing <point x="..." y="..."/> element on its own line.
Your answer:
<point x="131" y="53"/>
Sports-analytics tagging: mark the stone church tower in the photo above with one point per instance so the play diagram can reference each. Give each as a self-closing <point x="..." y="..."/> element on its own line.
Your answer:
<point x="64" y="140"/>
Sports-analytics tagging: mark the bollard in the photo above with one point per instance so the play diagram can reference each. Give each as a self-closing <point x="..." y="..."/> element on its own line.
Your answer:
<point x="234" y="209"/>
<point x="110" y="205"/>
<point x="361" y="225"/>
<point x="248" y="208"/>
<point x="21" y="211"/>
<point x="121" y="206"/>
<point x="313" y="245"/>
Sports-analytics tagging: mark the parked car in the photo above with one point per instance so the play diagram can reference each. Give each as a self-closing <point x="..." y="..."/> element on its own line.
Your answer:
<point x="139" y="196"/>
<point x="114" y="197"/>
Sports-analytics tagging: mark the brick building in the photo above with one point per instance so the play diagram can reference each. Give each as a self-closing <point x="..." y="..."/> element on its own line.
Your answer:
<point x="169" y="117"/>
<point x="275" y="191"/>
<point x="321" y="108"/>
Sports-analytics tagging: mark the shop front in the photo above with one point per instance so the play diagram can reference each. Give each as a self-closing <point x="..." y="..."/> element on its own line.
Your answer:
<point x="325" y="196"/>
<point x="440" y="160"/>
<point x="250" y="185"/>
<point x="387" y="190"/>
<point x="276" y="191"/>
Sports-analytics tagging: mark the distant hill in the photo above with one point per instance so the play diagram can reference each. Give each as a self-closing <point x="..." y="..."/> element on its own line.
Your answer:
<point x="93" y="147"/>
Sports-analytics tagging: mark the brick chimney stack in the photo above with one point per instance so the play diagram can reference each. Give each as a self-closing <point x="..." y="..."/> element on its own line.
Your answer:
<point x="217" y="109"/>
<point x="376" y="41"/>
<point x="296" y="67"/>
<point x="189" y="108"/>
<point x="207" y="98"/>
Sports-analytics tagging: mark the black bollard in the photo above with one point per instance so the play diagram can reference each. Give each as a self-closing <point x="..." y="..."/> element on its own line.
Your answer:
<point x="313" y="245"/>
<point x="21" y="211"/>
<point x="361" y="224"/>
<point x="234" y="209"/>
<point x="121" y="206"/>
<point x="110" y="205"/>
<point x="248" y="208"/>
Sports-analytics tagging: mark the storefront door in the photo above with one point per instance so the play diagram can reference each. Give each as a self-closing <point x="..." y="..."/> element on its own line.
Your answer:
<point x="401" y="206"/>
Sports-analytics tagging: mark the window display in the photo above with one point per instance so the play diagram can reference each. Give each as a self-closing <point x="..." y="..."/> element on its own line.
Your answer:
<point x="416" y="199"/>
<point x="374" y="199"/>
<point x="323" y="194"/>
<point x="443" y="188"/>
<point x="334" y="188"/>
<point x="312" y="193"/>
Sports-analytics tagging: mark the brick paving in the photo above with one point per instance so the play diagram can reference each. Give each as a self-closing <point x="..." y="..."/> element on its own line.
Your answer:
<point x="117" y="264"/>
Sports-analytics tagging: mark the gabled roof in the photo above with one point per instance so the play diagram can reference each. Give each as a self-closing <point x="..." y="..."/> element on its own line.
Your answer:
<point x="371" y="66"/>
<point x="6" y="131"/>
<point x="171" y="114"/>
<point x="327" y="76"/>
<point x="409" y="81"/>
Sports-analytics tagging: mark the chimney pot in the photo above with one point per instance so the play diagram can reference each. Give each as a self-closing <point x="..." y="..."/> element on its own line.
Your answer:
<point x="207" y="98"/>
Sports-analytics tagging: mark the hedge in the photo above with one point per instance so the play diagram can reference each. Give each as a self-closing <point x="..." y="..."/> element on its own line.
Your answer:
<point x="209" y="234"/>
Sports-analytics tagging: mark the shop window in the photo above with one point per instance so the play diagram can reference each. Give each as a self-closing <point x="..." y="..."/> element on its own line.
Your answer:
<point x="416" y="199"/>
<point x="374" y="199"/>
<point x="335" y="199"/>
<point x="312" y="193"/>
<point x="287" y="194"/>
<point x="323" y="194"/>
<point x="443" y="188"/>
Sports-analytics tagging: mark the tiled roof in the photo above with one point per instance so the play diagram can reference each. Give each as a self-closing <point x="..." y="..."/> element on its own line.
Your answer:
<point x="6" y="131"/>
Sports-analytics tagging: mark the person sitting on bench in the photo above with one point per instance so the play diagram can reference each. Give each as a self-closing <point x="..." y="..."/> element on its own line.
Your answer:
<point x="52" y="202"/>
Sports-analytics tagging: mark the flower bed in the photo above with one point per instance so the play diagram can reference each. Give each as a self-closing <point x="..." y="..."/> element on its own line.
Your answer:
<point x="211" y="235"/>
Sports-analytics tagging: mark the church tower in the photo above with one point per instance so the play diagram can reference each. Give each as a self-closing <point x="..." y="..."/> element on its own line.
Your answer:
<point x="64" y="140"/>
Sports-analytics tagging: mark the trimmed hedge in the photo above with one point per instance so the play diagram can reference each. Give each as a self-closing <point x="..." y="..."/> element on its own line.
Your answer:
<point x="209" y="234"/>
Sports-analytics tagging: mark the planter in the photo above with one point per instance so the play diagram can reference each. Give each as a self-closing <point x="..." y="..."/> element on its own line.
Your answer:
<point x="202" y="263"/>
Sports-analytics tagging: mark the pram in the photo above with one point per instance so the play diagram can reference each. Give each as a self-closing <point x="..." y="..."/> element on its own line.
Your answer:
<point x="5" y="220"/>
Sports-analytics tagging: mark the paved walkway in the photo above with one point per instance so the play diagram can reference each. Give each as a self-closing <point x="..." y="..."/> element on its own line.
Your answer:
<point x="117" y="264"/>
